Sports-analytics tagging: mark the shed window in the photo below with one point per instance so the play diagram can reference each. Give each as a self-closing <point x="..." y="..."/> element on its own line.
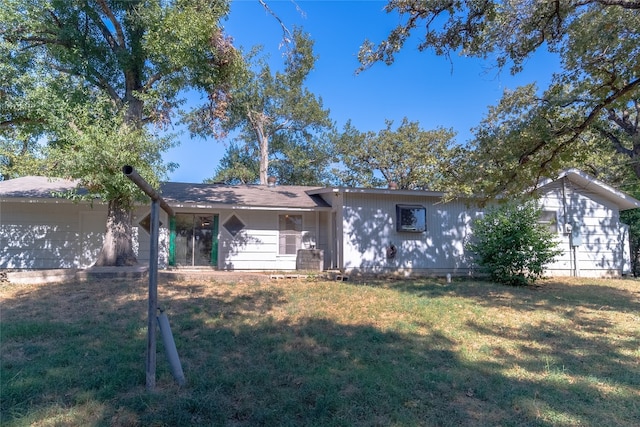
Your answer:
<point x="550" y="220"/>
<point x="290" y="239"/>
<point x="411" y="218"/>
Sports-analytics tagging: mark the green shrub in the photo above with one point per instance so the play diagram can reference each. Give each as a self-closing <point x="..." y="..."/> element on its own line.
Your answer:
<point x="511" y="245"/>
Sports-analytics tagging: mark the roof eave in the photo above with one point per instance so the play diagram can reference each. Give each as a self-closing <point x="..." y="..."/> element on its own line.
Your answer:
<point x="223" y="206"/>
<point x="338" y="190"/>
<point x="587" y="182"/>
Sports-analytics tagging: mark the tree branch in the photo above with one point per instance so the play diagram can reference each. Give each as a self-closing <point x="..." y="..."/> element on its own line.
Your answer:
<point x="106" y="33"/>
<point x="20" y="121"/>
<point x="287" y="36"/>
<point x="114" y="21"/>
<point x="615" y="141"/>
<point x="625" y="4"/>
<point x="575" y="131"/>
<point x="95" y="77"/>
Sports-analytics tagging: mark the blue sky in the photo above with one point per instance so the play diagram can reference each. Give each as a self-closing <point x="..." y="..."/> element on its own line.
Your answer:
<point x="425" y="88"/>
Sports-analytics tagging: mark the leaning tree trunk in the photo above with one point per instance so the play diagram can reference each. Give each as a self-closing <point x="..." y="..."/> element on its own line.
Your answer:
<point x="117" y="248"/>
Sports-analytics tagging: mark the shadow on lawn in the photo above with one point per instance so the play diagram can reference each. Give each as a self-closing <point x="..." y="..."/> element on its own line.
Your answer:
<point x="548" y="295"/>
<point x="77" y="350"/>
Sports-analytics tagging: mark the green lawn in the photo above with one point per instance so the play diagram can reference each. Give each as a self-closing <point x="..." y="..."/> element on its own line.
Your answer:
<point x="302" y="352"/>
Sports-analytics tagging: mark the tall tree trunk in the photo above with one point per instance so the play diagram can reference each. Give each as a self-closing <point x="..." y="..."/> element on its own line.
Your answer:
<point x="264" y="159"/>
<point x="117" y="248"/>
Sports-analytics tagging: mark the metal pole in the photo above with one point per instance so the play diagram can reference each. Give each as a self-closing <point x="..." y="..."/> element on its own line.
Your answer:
<point x="153" y="296"/>
<point x="131" y="173"/>
<point x="157" y="202"/>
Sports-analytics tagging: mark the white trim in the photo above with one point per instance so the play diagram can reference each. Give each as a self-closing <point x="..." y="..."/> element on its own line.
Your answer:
<point x="587" y="182"/>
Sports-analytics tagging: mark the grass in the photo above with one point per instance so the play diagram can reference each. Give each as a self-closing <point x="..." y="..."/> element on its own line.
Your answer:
<point x="419" y="352"/>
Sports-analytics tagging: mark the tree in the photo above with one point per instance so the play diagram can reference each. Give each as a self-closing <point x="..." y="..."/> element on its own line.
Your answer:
<point x="511" y="245"/>
<point x="279" y="120"/>
<point x="408" y="156"/>
<point x="237" y="166"/>
<point x="93" y="80"/>
<point x="528" y="136"/>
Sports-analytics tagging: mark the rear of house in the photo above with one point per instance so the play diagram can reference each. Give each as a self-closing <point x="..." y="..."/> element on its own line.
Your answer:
<point x="399" y="231"/>
<point x="276" y="228"/>
<point x="216" y="226"/>
<point x="418" y="232"/>
<point x="248" y="227"/>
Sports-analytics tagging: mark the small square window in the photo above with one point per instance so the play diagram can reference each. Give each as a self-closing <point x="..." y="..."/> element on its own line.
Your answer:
<point x="233" y="225"/>
<point x="550" y="220"/>
<point x="411" y="218"/>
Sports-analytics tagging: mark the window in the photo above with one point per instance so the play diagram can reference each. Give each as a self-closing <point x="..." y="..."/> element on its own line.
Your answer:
<point x="145" y="223"/>
<point x="411" y="218"/>
<point x="290" y="227"/>
<point x="233" y="225"/>
<point x="550" y="220"/>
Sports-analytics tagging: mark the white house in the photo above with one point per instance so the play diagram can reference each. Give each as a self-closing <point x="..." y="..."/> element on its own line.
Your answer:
<point x="288" y="227"/>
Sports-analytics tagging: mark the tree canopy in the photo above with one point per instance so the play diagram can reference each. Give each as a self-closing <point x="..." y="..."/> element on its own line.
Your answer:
<point x="92" y="82"/>
<point x="592" y="101"/>
<point x="282" y="125"/>
<point x="408" y="156"/>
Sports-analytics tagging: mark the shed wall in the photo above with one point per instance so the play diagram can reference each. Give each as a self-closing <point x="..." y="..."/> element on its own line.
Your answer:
<point x="598" y="244"/>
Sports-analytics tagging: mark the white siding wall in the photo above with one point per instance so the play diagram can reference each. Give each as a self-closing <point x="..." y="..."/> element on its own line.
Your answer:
<point x="142" y="240"/>
<point x="62" y="234"/>
<point x="256" y="246"/>
<point x="52" y="235"/>
<point x="323" y="236"/>
<point x="369" y="228"/>
<point x="603" y="242"/>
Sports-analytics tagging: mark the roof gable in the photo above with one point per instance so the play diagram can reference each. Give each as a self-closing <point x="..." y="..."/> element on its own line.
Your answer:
<point x="589" y="183"/>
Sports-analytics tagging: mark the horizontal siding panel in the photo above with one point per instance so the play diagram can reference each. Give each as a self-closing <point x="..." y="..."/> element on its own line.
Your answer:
<point x="370" y="228"/>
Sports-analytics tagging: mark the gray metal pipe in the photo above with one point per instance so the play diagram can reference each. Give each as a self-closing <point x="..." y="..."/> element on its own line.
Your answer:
<point x="170" y="349"/>
<point x="153" y="295"/>
<point x="131" y="173"/>
<point x="157" y="202"/>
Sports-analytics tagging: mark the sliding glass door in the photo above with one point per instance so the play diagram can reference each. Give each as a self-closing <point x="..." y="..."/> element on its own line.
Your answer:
<point x="194" y="240"/>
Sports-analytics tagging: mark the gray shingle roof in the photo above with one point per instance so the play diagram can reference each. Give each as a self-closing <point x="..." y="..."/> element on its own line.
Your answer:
<point x="35" y="186"/>
<point x="287" y="196"/>
<point x="176" y="193"/>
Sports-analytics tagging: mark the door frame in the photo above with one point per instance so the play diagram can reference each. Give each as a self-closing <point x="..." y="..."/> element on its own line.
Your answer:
<point x="215" y="238"/>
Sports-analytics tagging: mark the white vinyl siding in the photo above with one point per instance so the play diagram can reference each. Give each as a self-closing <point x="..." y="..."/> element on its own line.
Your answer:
<point x="369" y="229"/>
<point x="603" y="243"/>
<point x="258" y="245"/>
<point x="50" y="235"/>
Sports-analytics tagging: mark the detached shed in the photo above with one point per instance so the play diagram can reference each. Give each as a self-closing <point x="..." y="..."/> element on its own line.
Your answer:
<point x="585" y="214"/>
